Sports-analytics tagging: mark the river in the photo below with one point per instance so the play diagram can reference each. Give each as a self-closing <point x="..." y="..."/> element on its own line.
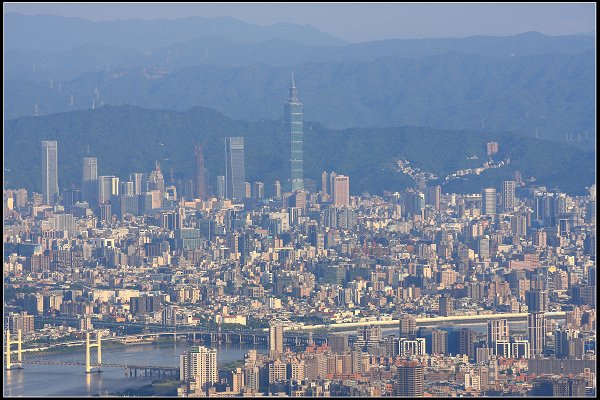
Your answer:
<point x="59" y="380"/>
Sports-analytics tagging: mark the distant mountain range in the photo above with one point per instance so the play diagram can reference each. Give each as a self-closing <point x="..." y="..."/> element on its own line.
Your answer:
<point x="127" y="139"/>
<point x="56" y="33"/>
<point x="532" y="84"/>
<point x="551" y="94"/>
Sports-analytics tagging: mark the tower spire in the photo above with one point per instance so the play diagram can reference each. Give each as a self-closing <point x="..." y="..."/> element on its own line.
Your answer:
<point x="293" y="91"/>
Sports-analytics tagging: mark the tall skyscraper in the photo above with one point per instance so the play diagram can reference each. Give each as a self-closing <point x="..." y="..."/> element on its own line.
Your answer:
<point x="50" y="171"/>
<point x="156" y="181"/>
<point x="341" y="191"/>
<point x="201" y="191"/>
<point x="89" y="186"/>
<point x="497" y="332"/>
<point x="276" y="337"/>
<point x="107" y="186"/>
<point x="410" y="380"/>
<point x="508" y="195"/>
<point x="277" y="190"/>
<point x="488" y="201"/>
<point x="433" y="195"/>
<point x="325" y="183"/>
<point x="221" y="186"/>
<point x="293" y="119"/>
<point x="235" y="173"/>
<point x="536" y="328"/>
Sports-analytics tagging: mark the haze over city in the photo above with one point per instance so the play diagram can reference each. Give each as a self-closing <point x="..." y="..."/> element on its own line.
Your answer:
<point x="299" y="200"/>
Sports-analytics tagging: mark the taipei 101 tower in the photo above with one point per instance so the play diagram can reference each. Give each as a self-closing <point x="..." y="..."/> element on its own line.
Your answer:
<point x="293" y="121"/>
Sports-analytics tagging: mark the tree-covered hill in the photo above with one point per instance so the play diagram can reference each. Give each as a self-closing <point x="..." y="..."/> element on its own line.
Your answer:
<point x="552" y="94"/>
<point x="128" y="139"/>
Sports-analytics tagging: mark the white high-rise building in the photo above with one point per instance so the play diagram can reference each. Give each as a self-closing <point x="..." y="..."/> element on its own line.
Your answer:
<point x="488" y="201"/>
<point x="199" y="364"/>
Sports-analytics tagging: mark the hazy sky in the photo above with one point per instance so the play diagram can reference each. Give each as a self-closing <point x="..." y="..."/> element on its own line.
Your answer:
<point x="356" y="22"/>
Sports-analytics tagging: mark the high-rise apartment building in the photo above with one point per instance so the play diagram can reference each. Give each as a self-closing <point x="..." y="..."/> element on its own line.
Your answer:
<point x="508" y="196"/>
<point x="293" y="120"/>
<point x="50" y="171"/>
<point x="536" y="328"/>
<point x="439" y="341"/>
<point x="275" y="337"/>
<point x="89" y="185"/>
<point x="497" y="331"/>
<point x="235" y="173"/>
<point x="410" y="380"/>
<point x="341" y="191"/>
<point x="258" y="190"/>
<point x="199" y="364"/>
<point x="488" y="201"/>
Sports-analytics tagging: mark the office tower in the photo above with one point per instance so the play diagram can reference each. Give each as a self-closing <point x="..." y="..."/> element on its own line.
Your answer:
<point x="277" y="189"/>
<point x="50" y="171"/>
<point x="247" y="190"/>
<point x="325" y="183"/>
<point x="341" y="191"/>
<point x="488" y="201"/>
<point x="536" y="300"/>
<point x="107" y="186"/>
<point x="71" y="196"/>
<point x="536" y="327"/>
<point x="201" y="191"/>
<point x="410" y="380"/>
<point x="156" y="181"/>
<point x="497" y="331"/>
<point x="433" y="196"/>
<point x="258" y="190"/>
<point x="235" y="173"/>
<point x="199" y="364"/>
<point x="126" y="188"/>
<point x="439" y="341"/>
<point x="140" y="182"/>
<point x="408" y="326"/>
<point x="293" y="121"/>
<point x="420" y="182"/>
<point x="446" y="305"/>
<point x="275" y="337"/>
<point x="89" y="186"/>
<point x="508" y="196"/>
<point x="221" y="186"/>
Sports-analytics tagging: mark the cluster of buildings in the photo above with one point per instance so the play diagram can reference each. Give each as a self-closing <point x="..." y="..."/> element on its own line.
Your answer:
<point x="148" y="252"/>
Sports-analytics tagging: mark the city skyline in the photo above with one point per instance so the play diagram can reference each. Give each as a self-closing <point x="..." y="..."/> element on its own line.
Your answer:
<point x="422" y="224"/>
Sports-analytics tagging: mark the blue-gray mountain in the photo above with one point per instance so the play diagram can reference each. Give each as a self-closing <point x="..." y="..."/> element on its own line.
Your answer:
<point x="126" y="139"/>
<point x="552" y="95"/>
<point x="227" y="52"/>
<point x="53" y="32"/>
